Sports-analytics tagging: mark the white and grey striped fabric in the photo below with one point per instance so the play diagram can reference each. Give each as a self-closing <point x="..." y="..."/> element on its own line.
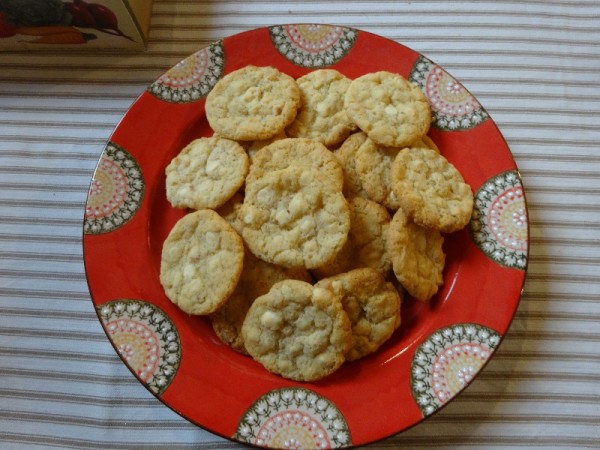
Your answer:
<point x="533" y="65"/>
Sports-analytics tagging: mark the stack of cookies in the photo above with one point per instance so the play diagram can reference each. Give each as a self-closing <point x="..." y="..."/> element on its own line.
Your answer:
<point x="314" y="207"/>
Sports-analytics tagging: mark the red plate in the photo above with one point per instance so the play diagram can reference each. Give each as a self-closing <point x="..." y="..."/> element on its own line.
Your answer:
<point x="440" y="346"/>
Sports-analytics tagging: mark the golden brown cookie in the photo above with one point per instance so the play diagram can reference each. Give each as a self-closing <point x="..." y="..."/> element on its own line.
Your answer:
<point x="201" y="262"/>
<point x="346" y="155"/>
<point x="367" y="240"/>
<point x="372" y="305"/>
<point x="253" y="147"/>
<point x="321" y="115"/>
<point x="230" y="211"/>
<point x="374" y="168"/>
<point x="294" y="217"/>
<point x="252" y="103"/>
<point x="391" y="110"/>
<point x="417" y="256"/>
<point x="426" y="142"/>
<point x="206" y="173"/>
<point x="298" y="331"/>
<point x="299" y="152"/>
<point x="256" y="279"/>
<point x="431" y="190"/>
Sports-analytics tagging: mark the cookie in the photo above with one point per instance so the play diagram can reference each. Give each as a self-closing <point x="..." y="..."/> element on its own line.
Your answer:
<point x="346" y="155"/>
<point x="253" y="147"/>
<point x="431" y="190"/>
<point x="372" y="305"/>
<point x="252" y="103"/>
<point x="230" y="211"/>
<point x="299" y="152"/>
<point x="374" y="167"/>
<point x="201" y="262"/>
<point x="369" y="232"/>
<point x="298" y="331"/>
<point x="256" y="279"/>
<point x="426" y="142"/>
<point x="206" y="173"/>
<point x="321" y="115"/>
<point x="417" y="256"/>
<point x="367" y="240"/>
<point x="295" y="217"/>
<point x="392" y="111"/>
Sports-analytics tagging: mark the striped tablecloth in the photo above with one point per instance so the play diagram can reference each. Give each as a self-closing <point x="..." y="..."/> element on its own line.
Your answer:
<point x="533" y="64"/>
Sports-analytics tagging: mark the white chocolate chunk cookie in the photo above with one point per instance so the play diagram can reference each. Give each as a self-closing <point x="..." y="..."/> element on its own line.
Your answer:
<point x="252" y="103"/>
<point x="298" y="331"/>
<point x="206" y="173"/>
<point x="256" y="279"/>
<point x="369" y="234"/>
<point x="367" y="240"/>
<point x="391" y="110"/>
<point x="431" y="190"/>
<point x="346" y="155"/>
<point x="426" y="142"/>
<point x="372" y="305"/>
<point x="417" y="256"/>
<point x="201" y="262"/>
<point x="374" y="168"/>
<point x="253" y="147"/>
<point x="321" y="115"/>
<point x="230" y="211"/>
<point x="294" y="217"/>
<point x="299" y="152"/>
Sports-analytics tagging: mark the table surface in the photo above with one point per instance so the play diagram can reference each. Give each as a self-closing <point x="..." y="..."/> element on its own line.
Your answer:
<point x="532" y="64"/>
